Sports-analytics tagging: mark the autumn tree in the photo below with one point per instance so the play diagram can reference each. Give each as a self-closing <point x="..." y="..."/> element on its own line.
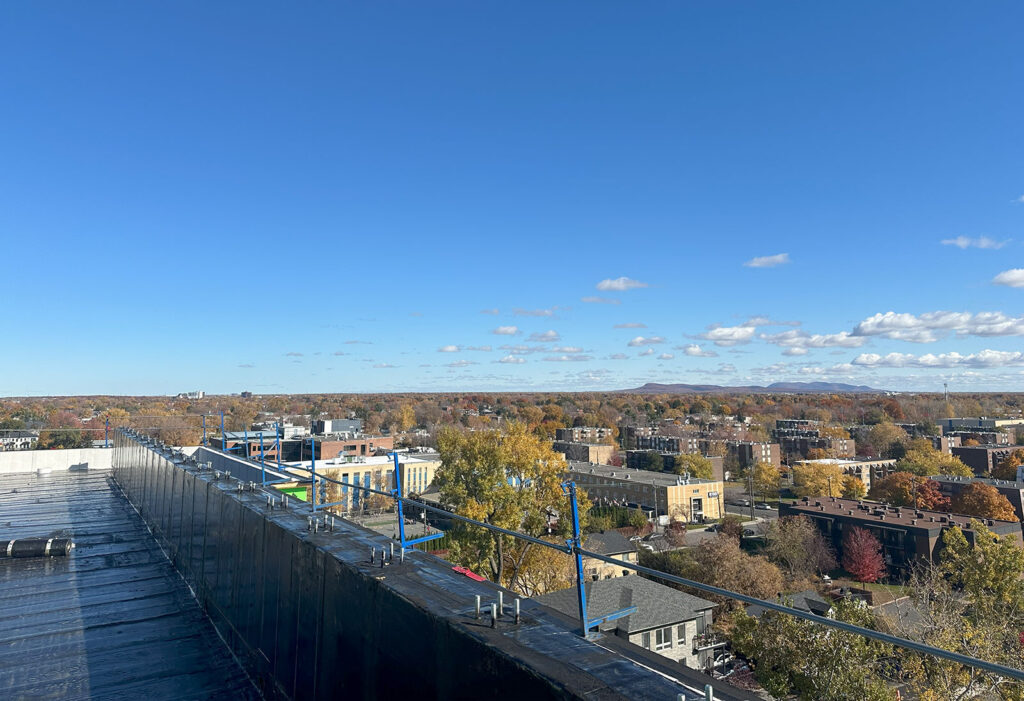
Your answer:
<point x="853" y="488"/>
<point x="766" y="480"/>
<point x="817" y="479"/>
<point x="696" y="465"/>
<point x="862" y="555"/>
<point x="1007" y="468"/>
<point x="971" y="603"/>
<point x="796" y="545"/>
<point x="794" y="657"/>
<point x="922" y="459"/>
<point x="720" y="562"/>
<point x="906" y="489"/>
<point x="983" y="501"/>
<point x="510" y="479"/>
<point x="885" y="440"/>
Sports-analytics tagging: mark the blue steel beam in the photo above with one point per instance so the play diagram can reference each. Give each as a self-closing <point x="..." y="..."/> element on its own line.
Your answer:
<point x="423" y="539"/>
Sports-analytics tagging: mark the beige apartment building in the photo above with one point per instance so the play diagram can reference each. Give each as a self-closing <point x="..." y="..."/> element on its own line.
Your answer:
<point x="687" y="500"/>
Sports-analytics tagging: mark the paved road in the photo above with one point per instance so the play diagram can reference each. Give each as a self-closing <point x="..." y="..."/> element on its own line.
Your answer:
<point x="745" y="512"/>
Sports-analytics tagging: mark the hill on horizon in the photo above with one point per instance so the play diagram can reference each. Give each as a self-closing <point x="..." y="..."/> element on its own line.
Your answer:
<point x="796" y="387"/>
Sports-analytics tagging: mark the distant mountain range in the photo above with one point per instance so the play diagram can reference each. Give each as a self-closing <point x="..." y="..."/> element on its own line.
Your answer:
<point x="794" y="387"/>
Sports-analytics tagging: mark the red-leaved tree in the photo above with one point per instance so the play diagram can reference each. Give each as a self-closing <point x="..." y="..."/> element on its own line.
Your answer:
<point x="862" y="556"/>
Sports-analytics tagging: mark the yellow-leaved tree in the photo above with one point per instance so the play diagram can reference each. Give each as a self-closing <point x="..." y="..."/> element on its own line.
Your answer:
<point x="508" y="478"/>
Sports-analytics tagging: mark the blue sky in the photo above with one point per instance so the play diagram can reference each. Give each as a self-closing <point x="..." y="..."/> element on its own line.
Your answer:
<point x="361" y="197"/>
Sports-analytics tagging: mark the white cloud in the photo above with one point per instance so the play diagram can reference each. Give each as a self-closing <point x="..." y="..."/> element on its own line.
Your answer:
<point x="630" y="325"/>
<point x="649" y="351"/>
<point x="665" y="356"/>
<point x="341" y="353"/>
<point x="544" y="337"/>
<point x="293" y="354"/>
<point x="512" y="359"/>
<point x="600" y="300"/>
<point x="728" y="335"/>
<point x="801" y="339"/>
<point x="645" y="341"/>
<point x="448" y="349"/>
<point x="568" y="358"/>
<point x="695" y="351"/>
<point x="620" y="284"/>
<point x="981" y="359"/>
<point x="1010" y="278"/>
<point x="486" y="349"/>
<point x="765" y="321"/>
<point x="384" y="365"/>
<point x="520" y="349"/>
<point x="492" y="312"/>
<point x="535" y="312"/>
<point x="963" y="242"/>
<point x="506" y="330"/>
<point x="930" y="326"/>
<point x="768" y="261"/>
<point x="618" y="356"/>
<point x="567" y="349"/>
<point x="460" y="364"/>
<point x="795" y="351"/>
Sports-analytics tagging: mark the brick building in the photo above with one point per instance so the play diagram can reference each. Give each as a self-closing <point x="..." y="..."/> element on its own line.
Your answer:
<point x="906" y="535"/>
<point x="585" y="452"/>
<point x="983" y="458"/>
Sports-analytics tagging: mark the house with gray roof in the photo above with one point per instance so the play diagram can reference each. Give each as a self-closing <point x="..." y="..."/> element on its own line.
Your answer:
<point x="667" y="621"/>
<point x="808" y="600"/>
<point x="610" y="543"/>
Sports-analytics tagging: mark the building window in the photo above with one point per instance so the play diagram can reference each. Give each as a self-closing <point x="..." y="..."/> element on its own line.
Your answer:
<point x="681" y="632"/>
<point x="646" y="640"/>
<point x="663" y="638"/>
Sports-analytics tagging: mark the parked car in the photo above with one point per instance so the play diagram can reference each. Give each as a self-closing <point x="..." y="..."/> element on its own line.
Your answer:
<point x="763" y="507"/>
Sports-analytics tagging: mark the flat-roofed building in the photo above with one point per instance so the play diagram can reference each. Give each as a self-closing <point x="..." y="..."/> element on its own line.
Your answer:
<point x="749" y="453"/>
<point x="906" y="535"/>
<point x="628" y="435"/>
<point x="585" y="452"/>
<point x="669" y="444"/>
<point x="1013" y="490"/>
<point x="373" y="472"/>
<point x="338" y="446"/>
<point x="584" y="434"/>
<point x="985" y="423"/>
<point x="984" y="458"/>
<point x="865" y="470"/>
<point x="688" y="500"/>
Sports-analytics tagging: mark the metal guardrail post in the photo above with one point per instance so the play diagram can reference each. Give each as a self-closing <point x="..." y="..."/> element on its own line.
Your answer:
<point x="574" y="543"/>
<point x="312" y="491"/>
<point x="263" y="463"/>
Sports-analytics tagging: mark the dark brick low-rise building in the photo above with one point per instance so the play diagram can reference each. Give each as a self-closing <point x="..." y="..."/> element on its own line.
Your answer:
<point x="906" y="535"/>
<point x="983" y="458"/>
<point x="1011" y="489"/>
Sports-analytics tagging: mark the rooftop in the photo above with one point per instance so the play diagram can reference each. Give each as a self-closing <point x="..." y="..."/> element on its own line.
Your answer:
<point x="808" y="600"/>
<point x="1012" y="484"/>
<point x="890" y="516"/>
<point x="113" y="619"/>
<point x="845" y="462"/>
<point x="607" y="543"/>
<point x="657" y="605"/>
<point x="661" y="479"/>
